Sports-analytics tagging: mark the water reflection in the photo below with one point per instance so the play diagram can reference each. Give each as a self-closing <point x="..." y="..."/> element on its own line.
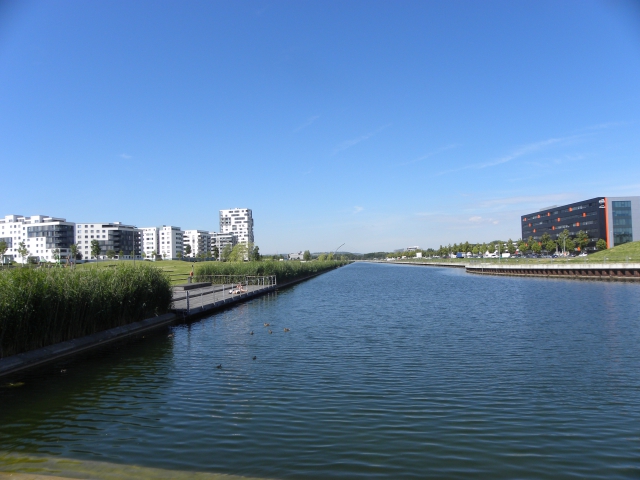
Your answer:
<point x="387" y="371"/>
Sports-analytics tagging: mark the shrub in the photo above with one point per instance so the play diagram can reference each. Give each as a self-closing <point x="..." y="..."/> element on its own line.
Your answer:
<point x="284" y="271"/>
<point x="40" y="307"/>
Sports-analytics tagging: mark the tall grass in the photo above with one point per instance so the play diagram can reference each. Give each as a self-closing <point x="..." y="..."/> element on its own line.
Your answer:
<point x="45" y="306"/>
<point x="284" y="271"/>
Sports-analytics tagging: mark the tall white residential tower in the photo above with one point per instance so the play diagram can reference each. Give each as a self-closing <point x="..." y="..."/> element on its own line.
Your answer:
<point x="239" y="222"/>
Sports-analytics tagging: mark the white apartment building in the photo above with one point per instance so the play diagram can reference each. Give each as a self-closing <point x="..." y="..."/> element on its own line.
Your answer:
<point x="239" y="222"/>
<point x="42" y="235"/>
<point x="221" y="240"/>
<point x="199" y="241"/>
<point x="110" y="236"/>
<point x="150" y="241"/>
<point x="170" y="242"/>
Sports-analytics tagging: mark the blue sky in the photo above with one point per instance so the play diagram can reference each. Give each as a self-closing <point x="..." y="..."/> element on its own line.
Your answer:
<point x="375" y="124"/>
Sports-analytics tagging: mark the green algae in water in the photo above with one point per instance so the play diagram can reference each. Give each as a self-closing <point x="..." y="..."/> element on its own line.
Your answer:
<point x="25" y="466"/>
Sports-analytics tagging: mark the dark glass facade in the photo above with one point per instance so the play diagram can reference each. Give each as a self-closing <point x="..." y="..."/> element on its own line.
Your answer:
<point x="121" y="241"/>
<point x="622" y="227"/>
<point x="588" y="215"/>
<point x="56" y="236"/>
<point x="8" y="241"/>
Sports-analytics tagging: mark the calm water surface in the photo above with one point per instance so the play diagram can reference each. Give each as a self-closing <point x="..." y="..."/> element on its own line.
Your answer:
<point x="388" y="371"/>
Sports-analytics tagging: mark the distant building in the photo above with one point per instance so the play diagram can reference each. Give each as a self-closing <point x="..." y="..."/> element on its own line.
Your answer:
<point x="170" y="242"/>
<point x="614" y="219"/>
<point x="239" y="222"/>
<point x="150" y="241"/>
<point x="221" y="240"/>
<point x="296" y="256"/>
<point x="411" y="249"/>
<point x="43" y="236"/>
<point x="199" y="241"/>
<point x="110" y="236"/>
<point x="166" y="241"/>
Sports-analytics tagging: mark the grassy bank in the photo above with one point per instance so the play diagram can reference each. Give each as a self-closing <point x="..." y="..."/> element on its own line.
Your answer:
<point x="622" y="253"/>
<point x="284" y="271"/>
<point x="628" y="252"/>
<point x="176" y="269"/>
<point x="40" y="307"/>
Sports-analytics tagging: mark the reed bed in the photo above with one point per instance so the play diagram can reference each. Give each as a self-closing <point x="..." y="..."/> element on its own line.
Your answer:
<point x="40" y="307"/>
<point x="284" y="271"/>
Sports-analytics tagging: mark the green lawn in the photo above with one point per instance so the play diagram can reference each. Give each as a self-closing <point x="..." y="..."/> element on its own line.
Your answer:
<point x="176" y="268"/>
<point x="627" y="251"/>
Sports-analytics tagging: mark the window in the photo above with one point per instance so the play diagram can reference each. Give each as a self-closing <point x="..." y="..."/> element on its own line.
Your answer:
<point x="622" y="226"/>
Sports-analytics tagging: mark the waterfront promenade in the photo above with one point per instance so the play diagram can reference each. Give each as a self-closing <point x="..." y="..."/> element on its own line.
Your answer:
<point x="592" y="271"/>
<point x="205" y="297"/>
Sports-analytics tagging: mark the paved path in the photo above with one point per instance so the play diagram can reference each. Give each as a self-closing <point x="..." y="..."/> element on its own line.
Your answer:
<point x="202" y="299"/>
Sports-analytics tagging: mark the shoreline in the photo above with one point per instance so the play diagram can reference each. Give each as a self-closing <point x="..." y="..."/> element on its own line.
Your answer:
<point x="43" y="356"/>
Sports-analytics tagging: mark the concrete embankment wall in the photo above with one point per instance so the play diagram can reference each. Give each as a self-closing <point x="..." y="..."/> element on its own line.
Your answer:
<point x="420" y="264"/>
<point x="614" y="271"/>
<point x="58" y="351"/>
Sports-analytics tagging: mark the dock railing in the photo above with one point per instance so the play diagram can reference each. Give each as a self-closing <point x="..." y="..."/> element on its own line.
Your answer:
<point x="217" y="289"/>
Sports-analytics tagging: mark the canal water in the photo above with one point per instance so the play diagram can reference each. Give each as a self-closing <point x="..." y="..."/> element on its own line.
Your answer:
<point x="387" y="372"/>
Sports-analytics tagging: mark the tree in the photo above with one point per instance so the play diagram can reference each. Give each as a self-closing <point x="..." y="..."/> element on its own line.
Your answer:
<point x="56" y="254"/>
<point x="154" y="254"/>
<point x="330" y="256"/>
<point x="322" y="257"/>
<point x="255" y="254"/>
<point x="582" y="240"/>
<point x="179" y="255"/>
<point x="522" y="246"/>
<point x="215" y="252"/>
<point x="511" y="248"/>
<point x="570" y="244"/>
<point x="601" y="244"/>
<point x="306" y="256"/>
<point x="96" y="249"/>
<point x="164" y="255"/>
<point x="562" y="240"/>
<point x="226" y="252"/>
<point x="551" y="245"/>
<point x="536" y="247"/>
<point x="74" y="252"/>
<point x="238" y="253"/>
<point x="143" y="255"/>
<point x="120" y="255"/>
<point x="23" y="251"/>
<point x="3" y="250"/>
<point x="111" y="254"/>
<point x="187" y="249"/>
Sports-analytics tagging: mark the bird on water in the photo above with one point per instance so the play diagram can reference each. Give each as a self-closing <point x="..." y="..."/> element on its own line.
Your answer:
<point x="286" y="329"/>
<point x="251" y="332"/>
<point x="267" y="324"/>
<point x="219" y="365"/>
<point x="270" y="331"/>
<point x="254" y="357"/>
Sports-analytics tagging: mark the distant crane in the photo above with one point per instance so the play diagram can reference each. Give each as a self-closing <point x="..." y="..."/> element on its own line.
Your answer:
<point x="336" y="250"/>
